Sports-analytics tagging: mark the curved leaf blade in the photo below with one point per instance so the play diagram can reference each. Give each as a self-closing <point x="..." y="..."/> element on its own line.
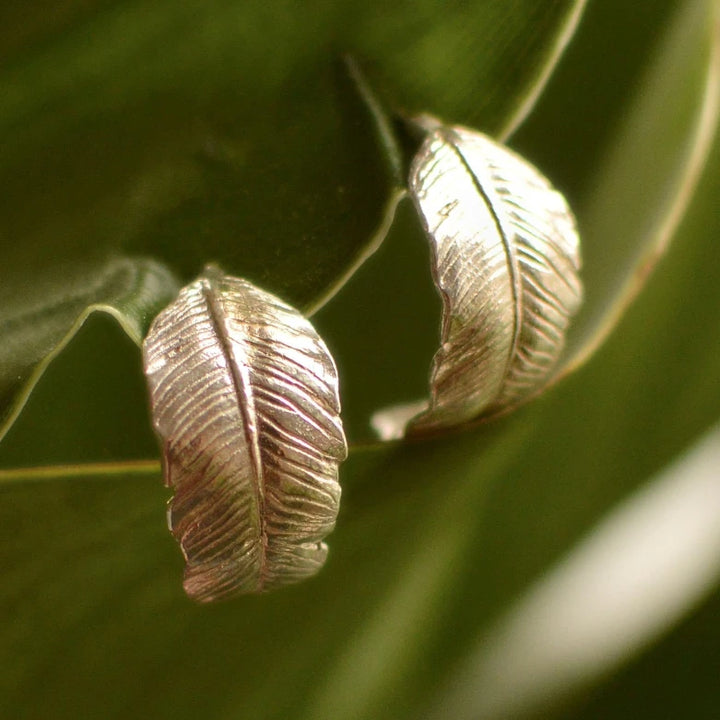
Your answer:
<point x="646" y="564"/>
<point x="631" y="211"/>
<point x="244" y="397"/>
<point x="167" y="153"/>
<point x="113" y="148"/>
<point x="466" y="521"/>
<point x="35" y="329"/>
<point x="574" y="127"/>
<point x="628" y="224"/>
<point x="413" y="61"/>
<point x="262" y="657"/>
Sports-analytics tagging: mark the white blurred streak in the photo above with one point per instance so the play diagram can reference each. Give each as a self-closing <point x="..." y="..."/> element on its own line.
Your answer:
<point x="390" y="423"/>
<point x="639" y="572"/>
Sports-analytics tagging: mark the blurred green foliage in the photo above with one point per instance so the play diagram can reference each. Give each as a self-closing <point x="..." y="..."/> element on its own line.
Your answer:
<point x="184" y="133"/>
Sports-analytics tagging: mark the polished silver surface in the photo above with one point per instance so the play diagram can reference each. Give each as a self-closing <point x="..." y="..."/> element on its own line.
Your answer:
<point x="244" y="397"/>
<point x="505" y="255"/>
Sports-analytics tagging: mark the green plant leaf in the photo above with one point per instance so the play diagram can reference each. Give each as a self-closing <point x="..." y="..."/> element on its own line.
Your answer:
<point x="434" y="539"/>
<point x="434" y="542"/>
<point x="628" y="209"/>
<point x="97" y="384"/>
<point x="628" y="223"/>
<point x="665" y="391"/>
<point x="228" y="132"/>
<point x="649" y="562"/>
<point x="35" y="328"/>
<point x="675" y="678"/>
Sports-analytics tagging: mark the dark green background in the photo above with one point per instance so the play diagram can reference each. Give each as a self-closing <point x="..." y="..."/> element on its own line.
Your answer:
<point x="232" y="132"/>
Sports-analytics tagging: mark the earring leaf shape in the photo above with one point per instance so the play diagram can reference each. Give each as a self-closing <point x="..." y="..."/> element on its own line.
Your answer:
<point x="506" y="261"/>
<point x="244" y="398"/>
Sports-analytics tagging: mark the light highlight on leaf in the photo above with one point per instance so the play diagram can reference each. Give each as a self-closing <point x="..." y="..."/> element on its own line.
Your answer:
<point x="643" y="567"/>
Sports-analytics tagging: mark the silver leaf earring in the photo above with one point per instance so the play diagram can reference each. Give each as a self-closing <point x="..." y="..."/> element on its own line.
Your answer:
<point x="244" y="398"/>
<point x="506" y="261"/>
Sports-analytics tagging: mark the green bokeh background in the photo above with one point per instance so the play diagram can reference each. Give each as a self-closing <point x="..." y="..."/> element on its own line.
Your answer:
<point x="232" y="132"/>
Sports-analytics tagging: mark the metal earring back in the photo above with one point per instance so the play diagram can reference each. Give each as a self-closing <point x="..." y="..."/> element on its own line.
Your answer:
<point x="244" y="398"/>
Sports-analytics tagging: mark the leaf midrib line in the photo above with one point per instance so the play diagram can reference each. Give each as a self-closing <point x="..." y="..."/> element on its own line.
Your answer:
<point x="96" y="469"/>
<point x="246" y="405"/>
<point x="515" y="282"/>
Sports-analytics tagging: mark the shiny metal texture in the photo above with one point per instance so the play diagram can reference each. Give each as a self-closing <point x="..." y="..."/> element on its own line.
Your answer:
<point x="244" y="398"/>
<point x="506" y="260"/>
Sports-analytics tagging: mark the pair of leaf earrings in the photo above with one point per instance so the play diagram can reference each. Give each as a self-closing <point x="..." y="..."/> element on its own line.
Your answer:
<point x="244" y="393"/>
